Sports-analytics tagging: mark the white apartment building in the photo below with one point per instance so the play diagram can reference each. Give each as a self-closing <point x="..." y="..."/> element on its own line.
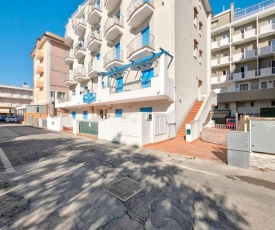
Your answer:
<point x="140" y="62"/>
<point x="12" y="97"/>
<point x="243" y="64"/>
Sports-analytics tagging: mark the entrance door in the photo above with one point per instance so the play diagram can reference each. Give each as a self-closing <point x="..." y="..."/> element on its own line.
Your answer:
<point x="272" y="65"/>
<point x="146" y="37"/>
<point x="146" y="78"/>
<point x="117" y="51"/>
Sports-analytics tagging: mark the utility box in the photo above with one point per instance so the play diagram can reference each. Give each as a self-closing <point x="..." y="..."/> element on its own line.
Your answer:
<point x="238" y="149"/>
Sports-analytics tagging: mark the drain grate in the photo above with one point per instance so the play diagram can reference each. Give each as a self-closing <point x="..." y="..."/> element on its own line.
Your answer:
<point x="124" y="188"/>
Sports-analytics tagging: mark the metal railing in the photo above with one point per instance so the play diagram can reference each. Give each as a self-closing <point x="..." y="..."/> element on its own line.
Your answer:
<point x="136" y="4"/>
<point x="90" y="66"/>
<point x="112" y="55"/>
<point x="138" y="43"/>
<point x="78" y="21"/>
<point x="243" y="13"/>
<point x="79" y="8"/>
<point x="69" y="54"/>
<point x="94" y="34"/>
<point x="95" y="5"/>
<point x="79" y="46"/>
<point x="113" y="21"/>
<point x="79" y="71"/>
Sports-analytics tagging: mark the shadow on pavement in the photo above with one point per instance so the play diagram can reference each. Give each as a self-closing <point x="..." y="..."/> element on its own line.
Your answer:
<point x="62" y="190"/>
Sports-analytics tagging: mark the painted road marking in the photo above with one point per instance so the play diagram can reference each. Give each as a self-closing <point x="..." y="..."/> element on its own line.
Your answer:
<point x="195" y="170"/>
<point x="6" y="162"/>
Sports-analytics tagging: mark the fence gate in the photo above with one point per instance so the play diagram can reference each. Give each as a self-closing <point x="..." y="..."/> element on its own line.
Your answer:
<point x="216" y="134"/>
<point x="88" y="127"/>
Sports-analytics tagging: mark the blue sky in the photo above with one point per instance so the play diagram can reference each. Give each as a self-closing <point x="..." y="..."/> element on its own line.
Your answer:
<point x="22" y="22"/>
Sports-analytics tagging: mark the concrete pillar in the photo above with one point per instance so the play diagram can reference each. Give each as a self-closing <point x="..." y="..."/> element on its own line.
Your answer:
<point x="232" y="12"/>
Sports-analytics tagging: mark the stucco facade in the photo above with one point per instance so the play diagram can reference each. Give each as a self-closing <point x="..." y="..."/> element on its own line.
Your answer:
<point x="242" y="62"/>
<point x="106" y="35"/>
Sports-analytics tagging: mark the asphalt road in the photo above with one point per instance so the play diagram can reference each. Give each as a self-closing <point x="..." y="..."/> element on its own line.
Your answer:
<point x="58" y="179"/>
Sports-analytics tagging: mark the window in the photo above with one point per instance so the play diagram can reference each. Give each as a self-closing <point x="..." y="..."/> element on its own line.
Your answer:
<point x="118" y="112"/>
<point x="74" y="115"/>
<point x="74" y="92"/>
<point x="119" y="85"/>
<point x="243" y="87"/>
<point x="85" y="115"/>
<point x="225" y="72"/>
<point x="146" y="78"/>
<point x="226" y="106"/>
<point x="61" y="95"/>
<point x="263" y="85"/>
<point x="195" y="16"/>
<point x="98" y="57"/>
<point x="200" y="56"/>
<point x="195" y="48"/>
<point x="251" y="104"/>
<point x="146" y="110"/>
<point x="200" y="27"/>
<point x="225" y="36"/>
<point x="273" y="84"/>
<point x="272" y="103"/>
<point x="241" y="103"/>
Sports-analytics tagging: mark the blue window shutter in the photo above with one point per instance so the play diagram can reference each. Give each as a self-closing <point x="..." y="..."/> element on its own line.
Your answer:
<point x="74" y="115"/>
<point x="146" y="37"/>
<point x="118" y="112"/>
<point x="146" y="78"/>
<point x="119" y="85"/>
<point x="146" y="110"/>
<point x="117" y="51"/>
<point x="85" y="115"/>
<point x="98" y="57"/>
<point x="146" y="1"/>
<point x="98" y="4"/>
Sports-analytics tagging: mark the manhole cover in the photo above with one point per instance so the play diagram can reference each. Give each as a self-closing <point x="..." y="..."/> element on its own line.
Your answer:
<point x="124" y="188"/>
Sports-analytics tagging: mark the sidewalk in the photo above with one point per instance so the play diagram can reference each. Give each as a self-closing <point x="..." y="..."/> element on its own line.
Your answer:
<point x="197" y="149"/>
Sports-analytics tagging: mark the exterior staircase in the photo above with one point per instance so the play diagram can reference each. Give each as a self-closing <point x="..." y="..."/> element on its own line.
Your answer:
<point x="191" y="116"/>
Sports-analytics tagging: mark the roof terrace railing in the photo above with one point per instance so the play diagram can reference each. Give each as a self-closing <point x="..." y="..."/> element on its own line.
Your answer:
<point x="243" y="13"/>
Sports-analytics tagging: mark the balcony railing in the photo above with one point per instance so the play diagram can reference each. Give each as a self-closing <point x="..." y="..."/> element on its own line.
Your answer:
<point x="79" y="71"/>
<point x="139" y="42"/>
<point x="80" y="46"/>
<point x="80" y="21"/>
<point x="94" y="34"/>
<point x="113" y="21"/>
<point x="113" y="55"/>
<point x="95" y="12"/>
<point x="96" y="5"/>
<point x="267" y="50"/>
<point x="136" y="4"/>
<point x="90" y="66"/>
<point x="243" y="13"/>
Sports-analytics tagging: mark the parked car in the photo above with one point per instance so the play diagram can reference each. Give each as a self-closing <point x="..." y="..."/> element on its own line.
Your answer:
<point x="12" y="119"/>
<point x="3" y="118"/>
<point x="230" y="123"/>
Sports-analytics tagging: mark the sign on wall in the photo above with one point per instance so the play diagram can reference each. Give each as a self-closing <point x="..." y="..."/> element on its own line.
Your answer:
<point x="89" y="98"/>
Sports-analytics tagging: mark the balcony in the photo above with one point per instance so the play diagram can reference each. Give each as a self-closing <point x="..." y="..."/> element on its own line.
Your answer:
<point x="267" y="30"/>
<point x="69" y="57"/>
<point x="39" y="54"/>
<point x="224" y="61"/>
<point x="95" y="13"/>
<point x="224" y="42"/>
<point x="113" y="28"/>
<point x="93" y="68"/>
<point x="39" y="83"/>
<point x="267" y="72"/>
<point x="247" y="36"/>
<point x="138" y="11"/>
<point x="69" y="35"/>
<point x="80" y="75"/>
<point x="114" y="58"/>
<point x="214" y="62"/>
<point x="110" y="5"/>
<point x="220" y="79"/>
<point x="80" y="50"/>
<point x="251" y="74"/>
<point x="69" y="79"/>
<point x="267" y="51"/>
<point x="94" y="40"/>
<point x="248" y="55"/>
<point x="214" y="45"/>
<point x="6" y="95"/>
<point x="39" y="68"/>
<point x="140" y="47"/>
<point x="80" y="26"/>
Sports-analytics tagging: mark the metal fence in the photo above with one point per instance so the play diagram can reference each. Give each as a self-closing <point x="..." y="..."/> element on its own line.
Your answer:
<point x="88" y="127"/>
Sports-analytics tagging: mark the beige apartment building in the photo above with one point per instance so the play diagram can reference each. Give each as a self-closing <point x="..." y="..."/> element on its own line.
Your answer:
<point x="49" y="73"/>
<point x="128" y="57"/>
<point x="12" y="97"/>
<point x="243" y="62"/>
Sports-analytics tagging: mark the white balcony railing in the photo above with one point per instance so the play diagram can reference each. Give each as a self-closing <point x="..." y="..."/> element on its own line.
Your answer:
<point x="80" y="46"/>
<point x="224" y="42"/>
<point x="113" y="55"/>
<point x="246" y="55"/>
<point x="267" y="50"/>
<point x="79" y="71"/>
<point x="78" y="21"/>
<point x="267" y="28"/>
<point x="224" y="60"/>
<point x="139" y="42"/>
<point x="215" y="45"/>
<point x="94" y="34"/>
<point x="112" y="22"/>
<point x="136" y="4"/>
<point x="215" y="62"/>
<point x="266" y="72"/>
